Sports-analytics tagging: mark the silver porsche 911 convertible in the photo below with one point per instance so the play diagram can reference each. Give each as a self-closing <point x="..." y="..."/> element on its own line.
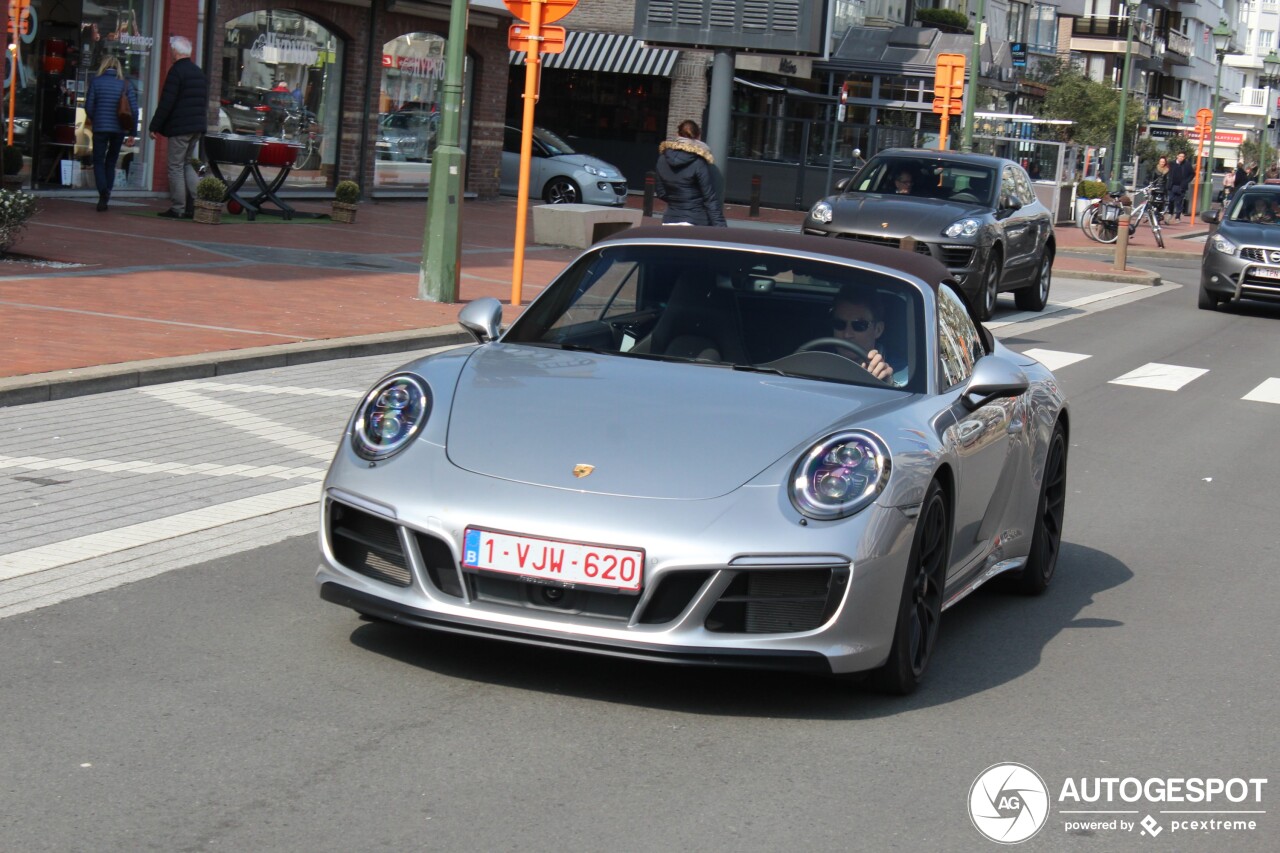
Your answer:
<point x="706" y="446"/>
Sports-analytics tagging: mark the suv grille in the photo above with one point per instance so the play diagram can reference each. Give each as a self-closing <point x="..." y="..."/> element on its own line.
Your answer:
<point x="892" y="242"/>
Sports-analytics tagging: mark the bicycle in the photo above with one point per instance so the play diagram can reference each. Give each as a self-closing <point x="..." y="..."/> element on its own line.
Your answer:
<point x="1101" y="221"/>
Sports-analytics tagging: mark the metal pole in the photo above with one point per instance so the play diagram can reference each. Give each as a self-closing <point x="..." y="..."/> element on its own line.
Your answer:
<point x="971" y="91"/>
<point x="719" y="112"/>
<point x="532" y="86"/>
<point x="1207" y="194"/>
<point x="441" y="240"/>
<point x="1117" y="186"/>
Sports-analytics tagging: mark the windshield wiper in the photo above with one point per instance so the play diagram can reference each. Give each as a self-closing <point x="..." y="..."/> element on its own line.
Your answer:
<point x="759" y="368"/>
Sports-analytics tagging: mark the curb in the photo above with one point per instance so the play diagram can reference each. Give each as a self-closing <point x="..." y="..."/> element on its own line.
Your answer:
<point x="1131" y="275"/>
<point x="63" y="384"/>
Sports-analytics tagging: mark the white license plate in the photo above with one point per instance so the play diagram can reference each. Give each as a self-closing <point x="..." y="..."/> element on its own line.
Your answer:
<point x="1266" y="272"/>
<point x="552" y="560"/>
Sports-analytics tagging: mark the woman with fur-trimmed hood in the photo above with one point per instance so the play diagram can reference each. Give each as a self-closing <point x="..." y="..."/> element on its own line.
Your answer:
<point x="685" y="181"/>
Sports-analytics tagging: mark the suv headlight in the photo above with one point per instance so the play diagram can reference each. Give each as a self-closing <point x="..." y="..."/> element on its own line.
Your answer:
<point x="1222" y="244"/>
<point x="840" y="475"/>
<point x="963" y="228"/>
<point x="392" y="414"/>
<point x="822" y="212"/>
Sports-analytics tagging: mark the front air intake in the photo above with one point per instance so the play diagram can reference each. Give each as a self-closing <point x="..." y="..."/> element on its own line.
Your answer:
<point x="367" y="544"/>
<point x="777" y="602"/>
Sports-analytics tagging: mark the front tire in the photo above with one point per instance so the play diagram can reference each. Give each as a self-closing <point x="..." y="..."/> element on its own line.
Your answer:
<point x="990" y="286"/>
<point x="1046" y="541"/>
<point x="1208" y="301"/>
<point x="920" y="608"/>
<point x="561" y="191"/>
<point x="1035" y="297"/>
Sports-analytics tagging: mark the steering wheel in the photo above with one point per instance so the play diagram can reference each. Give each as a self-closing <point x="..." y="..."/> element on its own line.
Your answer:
<point x="968" y="198"/>
<point x="839" y="343"/>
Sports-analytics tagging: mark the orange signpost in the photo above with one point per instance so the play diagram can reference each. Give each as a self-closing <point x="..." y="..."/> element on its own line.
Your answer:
<point x="535" y="39"/>
<point x="1204" y="126"/>
<point x="948" y="91"/>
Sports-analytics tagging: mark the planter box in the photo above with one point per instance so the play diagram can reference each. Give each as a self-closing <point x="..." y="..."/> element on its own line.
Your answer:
<point x="343" y="212"/>
<point x="208" y="212"/>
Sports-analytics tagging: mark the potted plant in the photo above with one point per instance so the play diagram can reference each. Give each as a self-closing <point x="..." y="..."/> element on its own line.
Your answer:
<point x="12" y="166"/>
<point x="345" y="197"/>
<point x="16" y="207"/>
<point x="1087" y="191"/>
<point x="210" y="193"/>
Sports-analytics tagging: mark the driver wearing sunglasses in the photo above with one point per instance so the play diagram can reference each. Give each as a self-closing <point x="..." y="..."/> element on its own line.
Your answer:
<point x="854" y="318"/>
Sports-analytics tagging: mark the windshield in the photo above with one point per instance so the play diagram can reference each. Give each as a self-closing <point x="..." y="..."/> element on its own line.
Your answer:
<point x="1260" y="207"/>
<point x="927" y="177"/>
<point x="555" y="145"/>
<point x="734" y="308"/>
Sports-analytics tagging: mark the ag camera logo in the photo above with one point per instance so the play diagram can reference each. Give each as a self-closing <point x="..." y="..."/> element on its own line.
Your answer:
<point x="1008" y="803"/>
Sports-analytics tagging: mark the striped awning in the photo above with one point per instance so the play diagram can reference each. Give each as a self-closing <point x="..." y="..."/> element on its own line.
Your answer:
<point x="616" y="53"/>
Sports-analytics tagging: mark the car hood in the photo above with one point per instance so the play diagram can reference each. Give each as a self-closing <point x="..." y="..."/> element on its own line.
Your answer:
<point x="580" y="160"/>
<point x="1252" y="234"/>
<point x="650" y="429"/>
<point x="893" y="216"/>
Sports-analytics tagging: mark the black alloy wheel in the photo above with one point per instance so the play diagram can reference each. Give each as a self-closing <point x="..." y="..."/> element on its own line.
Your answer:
<point x="1046" y="541"/>
<point x="990" y="286"/>
<point x="920" y="609"/>
<point x="1035" y="297"/>
<point x="561" y="191"/>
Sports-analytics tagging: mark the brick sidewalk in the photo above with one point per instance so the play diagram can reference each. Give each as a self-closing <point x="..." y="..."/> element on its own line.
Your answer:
<point x="84" y="289"/>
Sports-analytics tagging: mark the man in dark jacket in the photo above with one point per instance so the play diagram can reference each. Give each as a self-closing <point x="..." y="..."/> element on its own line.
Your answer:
<point x="181" y="116"/>
<point x="685" y="181"/>
<point x="1179" y="181"/>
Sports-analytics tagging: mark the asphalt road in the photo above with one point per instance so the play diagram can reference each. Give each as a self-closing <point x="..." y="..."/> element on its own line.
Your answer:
<point x="219" y="705"/>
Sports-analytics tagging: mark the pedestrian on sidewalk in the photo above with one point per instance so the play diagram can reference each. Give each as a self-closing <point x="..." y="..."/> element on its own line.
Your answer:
<point x="180" y="116"/>
<point x="685" y="180"/>
<point x="101" y="115"/>
<point x="1160" y="187"/>
<point x="1180" y="175"/>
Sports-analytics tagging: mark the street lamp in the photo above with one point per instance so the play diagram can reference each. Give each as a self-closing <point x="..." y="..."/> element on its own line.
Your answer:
<point x="1270" y="76"/>
<point x="971" y="91"/>
<point x="1116" y="185"/>
<point x="1221" y="43"/>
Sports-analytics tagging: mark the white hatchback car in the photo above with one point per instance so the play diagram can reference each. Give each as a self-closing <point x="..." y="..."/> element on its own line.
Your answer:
<point x="560" y="175"/>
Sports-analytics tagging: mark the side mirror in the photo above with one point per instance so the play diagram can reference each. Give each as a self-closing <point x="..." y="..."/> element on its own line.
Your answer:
<point x="843" y="184"/>
<point x="1010" y="203"/>
<point x="993" y="377"/>
<point x="1213" y="217"/>
<point x="482" y="318"/>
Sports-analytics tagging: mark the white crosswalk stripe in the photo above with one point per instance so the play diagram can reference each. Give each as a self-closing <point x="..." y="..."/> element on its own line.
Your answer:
<point x="114" y="466"/>
<point x="1162" y="377"/>
<point x="1267" y="392"/>
<point x="1055" y="359"/>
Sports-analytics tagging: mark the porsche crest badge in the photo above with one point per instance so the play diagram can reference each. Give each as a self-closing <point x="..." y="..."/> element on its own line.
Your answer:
<point x="581" y="470"/>
<point x="884" y="224"/>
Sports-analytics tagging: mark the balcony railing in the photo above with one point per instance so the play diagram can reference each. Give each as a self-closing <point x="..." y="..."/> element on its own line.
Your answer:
<point x="1167" y="107"/>
<point x="1178" y="43"/>
<point x="1113" y="27"/>
<point x="1253" y="97"/>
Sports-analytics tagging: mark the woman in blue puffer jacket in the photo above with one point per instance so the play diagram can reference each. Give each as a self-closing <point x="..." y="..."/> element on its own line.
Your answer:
<point x="100" y="107"/>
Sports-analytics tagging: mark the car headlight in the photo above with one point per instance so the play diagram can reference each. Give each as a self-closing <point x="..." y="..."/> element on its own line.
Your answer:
<point x="840" y="475"/>
<point x="1222" y="244"/>
<point x="390" y="416"/>
<point x="822" y="212"/>
<point x="963" y="228"/>
<point x="592" y="170"/>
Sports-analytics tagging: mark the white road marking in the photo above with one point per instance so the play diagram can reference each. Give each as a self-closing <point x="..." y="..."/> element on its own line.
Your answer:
<point x="288" y="390"/>
<point x="205" y="469"/>
<point x="44" y="557"/>
<point x="1054" y="359"/>
<point x="1162" y="377"/>
<point x="244" y="420"/>
<point x="1267" y="392"/>
<point x="1053" y="307"/>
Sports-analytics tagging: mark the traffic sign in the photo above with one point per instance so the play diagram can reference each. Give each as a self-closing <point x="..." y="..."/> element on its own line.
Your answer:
<point x="552" y="10"/>
<point x="948" y="83"/>
<point x="551" y="41"/>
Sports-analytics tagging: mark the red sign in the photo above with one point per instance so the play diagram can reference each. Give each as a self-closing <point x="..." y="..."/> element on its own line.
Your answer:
<point x="552" y="10"/>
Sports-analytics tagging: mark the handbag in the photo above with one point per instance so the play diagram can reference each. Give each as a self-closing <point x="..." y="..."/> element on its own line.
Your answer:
<point x="125" y="115"/>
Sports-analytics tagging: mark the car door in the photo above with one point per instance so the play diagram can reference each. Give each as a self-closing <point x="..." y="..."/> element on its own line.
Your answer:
<point x="1019" y="225"/>
<point x="980" y="438"/>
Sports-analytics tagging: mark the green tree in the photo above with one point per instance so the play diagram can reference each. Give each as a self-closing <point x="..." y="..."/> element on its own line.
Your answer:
<point x="1093" y="106"/>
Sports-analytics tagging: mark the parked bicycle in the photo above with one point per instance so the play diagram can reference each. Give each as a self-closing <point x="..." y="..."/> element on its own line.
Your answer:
<point x="1101" y="220"/>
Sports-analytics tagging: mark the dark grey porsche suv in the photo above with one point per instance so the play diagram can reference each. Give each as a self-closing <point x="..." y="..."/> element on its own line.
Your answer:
<point x="977" y="215"/>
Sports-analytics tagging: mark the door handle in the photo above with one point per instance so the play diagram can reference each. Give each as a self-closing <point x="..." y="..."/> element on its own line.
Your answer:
<point x="968" y="431"/>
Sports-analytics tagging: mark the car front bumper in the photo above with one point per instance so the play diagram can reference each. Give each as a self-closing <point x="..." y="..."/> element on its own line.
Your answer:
<point x="597" y="190"/>
<point x="963" y="260"/>
<point x="736" y="580"/>
<point x="1244" y="275"/>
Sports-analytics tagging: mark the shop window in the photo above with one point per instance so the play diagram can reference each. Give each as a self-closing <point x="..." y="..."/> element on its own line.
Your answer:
<point x="413" y="71"/>
<point x="282" y="79"/>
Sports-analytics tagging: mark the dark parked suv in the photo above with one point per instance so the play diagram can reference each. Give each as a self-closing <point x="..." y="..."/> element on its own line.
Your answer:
<point x="261" y="112"/>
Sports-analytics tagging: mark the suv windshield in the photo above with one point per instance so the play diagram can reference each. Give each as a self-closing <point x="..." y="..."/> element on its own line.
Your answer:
<point x="1259" y="207"/>
<point x="927" y="177"/>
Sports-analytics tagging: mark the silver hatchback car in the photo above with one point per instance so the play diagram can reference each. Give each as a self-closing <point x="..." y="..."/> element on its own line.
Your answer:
<point x="558" y="174"/>
<point x="709" y="446"/>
